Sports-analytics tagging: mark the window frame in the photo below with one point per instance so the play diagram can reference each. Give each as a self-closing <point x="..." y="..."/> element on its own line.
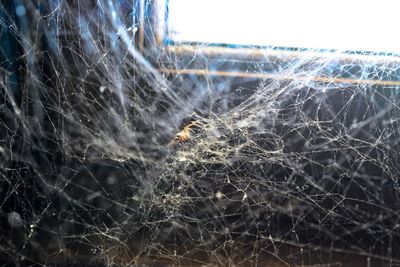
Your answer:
<point x="153" y="16"/>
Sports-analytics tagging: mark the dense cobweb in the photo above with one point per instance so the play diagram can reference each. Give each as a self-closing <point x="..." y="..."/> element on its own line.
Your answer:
<point x="296" y="168"/>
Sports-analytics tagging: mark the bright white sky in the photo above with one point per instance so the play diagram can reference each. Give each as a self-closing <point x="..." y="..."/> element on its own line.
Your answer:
<point x="369" y="25"/>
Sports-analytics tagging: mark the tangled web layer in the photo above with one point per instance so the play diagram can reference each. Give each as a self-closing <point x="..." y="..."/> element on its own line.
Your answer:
<point x="296" y="172"/>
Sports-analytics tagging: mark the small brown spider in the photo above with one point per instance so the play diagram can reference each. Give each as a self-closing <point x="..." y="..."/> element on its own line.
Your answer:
<point x="184" y="135"/>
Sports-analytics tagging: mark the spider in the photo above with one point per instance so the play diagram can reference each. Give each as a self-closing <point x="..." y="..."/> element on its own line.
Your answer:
<point x="184" y="135"/>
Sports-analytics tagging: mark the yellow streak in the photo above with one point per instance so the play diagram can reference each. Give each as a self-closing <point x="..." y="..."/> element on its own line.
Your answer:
<point x="273" y="76"/>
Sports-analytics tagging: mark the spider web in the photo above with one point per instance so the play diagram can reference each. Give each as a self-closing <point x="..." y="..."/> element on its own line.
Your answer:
<point x="299" y="168"/>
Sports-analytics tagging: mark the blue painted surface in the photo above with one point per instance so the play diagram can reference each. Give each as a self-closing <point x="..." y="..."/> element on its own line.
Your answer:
<point x="9" y="45"/>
